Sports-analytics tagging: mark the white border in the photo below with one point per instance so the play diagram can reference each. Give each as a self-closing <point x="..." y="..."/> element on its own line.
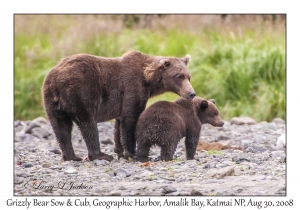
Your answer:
<point x="8" y="8"/>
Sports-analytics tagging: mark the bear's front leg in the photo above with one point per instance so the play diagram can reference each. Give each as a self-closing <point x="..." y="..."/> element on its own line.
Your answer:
<point x="117" y="135"/>
<point x="133" y="106"/>
<point x="90" y="135"/>
<point x="127" y="136"/>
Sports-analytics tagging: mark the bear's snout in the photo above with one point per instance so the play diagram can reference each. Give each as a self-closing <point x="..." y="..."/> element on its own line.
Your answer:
<point x="188" y="95"/>
<point x="192" y="94"/>
<point x="220" y="124"/>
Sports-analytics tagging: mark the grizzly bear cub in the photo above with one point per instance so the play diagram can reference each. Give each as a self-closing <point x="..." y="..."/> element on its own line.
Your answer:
<point x="165" y="123"/>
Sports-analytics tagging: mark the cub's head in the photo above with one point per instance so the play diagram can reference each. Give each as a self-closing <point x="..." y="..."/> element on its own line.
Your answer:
<point x="172" y="74"/>
<point x="207" y="112"/>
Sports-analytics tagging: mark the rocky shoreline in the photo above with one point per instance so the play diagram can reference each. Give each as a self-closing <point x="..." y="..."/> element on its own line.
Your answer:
<point x="257" y="168"/>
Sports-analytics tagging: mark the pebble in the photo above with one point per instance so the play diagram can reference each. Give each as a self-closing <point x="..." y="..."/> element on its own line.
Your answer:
<point x="107" y="141"/>
<point x="115" y="193"/>
<point x="70" y="170"/>
<point x="55" y="151"/>
<point x="278" y="153"/>
<point x="25" y="175"/>
<point x="122" y="171"/>
<point x="220" y="173"/>
<point x="254" y="148"/>
<point x="46" y="165"/>
<point x="18" y="180"/>
<point x="222" y="137"/>
<point x="25" y="137"/>
<point x="196" y="193"/>
<point x="191" y="163"/>
<point x="101" y="162"/>
<point x="169" y="189"/>
<point x="27" y="165"/>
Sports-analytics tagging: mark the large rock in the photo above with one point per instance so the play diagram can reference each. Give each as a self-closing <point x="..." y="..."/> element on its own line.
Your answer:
<point x="123" y="171"/>
<point x="31" y="126"/>
<point x="242" y="120"/>
<point x="278" y="120"/>
<point x="39" y="132"/>
<point x="281" y="142"/>
<point x="169" y="189"/>
<point x="40" y="120"/>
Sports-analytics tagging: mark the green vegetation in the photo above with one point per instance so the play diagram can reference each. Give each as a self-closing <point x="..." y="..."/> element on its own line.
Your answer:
<point x="214" y="152"/>
<point x="241" y="65"/>
<point x="108" y="170"/>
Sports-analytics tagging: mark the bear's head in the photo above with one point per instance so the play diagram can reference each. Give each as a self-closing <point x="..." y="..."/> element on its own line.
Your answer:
<point x="171" y="74"/>
<point x="207" y="112"/>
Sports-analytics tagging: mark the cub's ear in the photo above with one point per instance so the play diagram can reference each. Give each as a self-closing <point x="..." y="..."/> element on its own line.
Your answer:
<point x="186" y="59"/>
<point x="212" y="101"/>
<point x="164" y="62"/>
<point x="203" y="105"/>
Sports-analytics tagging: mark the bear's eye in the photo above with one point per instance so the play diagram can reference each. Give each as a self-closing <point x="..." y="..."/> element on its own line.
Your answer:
<point x="167" y="63"/>
<point x="181" y="77"/>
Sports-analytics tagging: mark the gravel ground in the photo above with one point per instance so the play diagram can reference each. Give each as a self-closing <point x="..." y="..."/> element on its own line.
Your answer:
<point x="258" y="169"/>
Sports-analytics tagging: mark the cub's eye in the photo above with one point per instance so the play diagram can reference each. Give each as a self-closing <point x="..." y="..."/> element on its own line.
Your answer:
<point x="167" y="63"/>
<point x="216" y="113"/>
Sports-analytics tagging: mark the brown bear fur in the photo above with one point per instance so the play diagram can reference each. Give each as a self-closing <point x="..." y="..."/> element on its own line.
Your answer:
<point x="165" y="123"/>
<point x="87" y="89"/>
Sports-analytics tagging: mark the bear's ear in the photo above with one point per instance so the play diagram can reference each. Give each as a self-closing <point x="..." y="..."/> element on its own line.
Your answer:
<point x="164" y="62"/>
<point x="203" y="105"/>
<point x="186" y="59"/>
<point x="212" y="101"/>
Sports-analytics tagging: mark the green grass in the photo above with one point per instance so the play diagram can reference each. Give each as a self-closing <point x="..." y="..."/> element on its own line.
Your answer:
<point x="245" y="73"/>
<point x="214" y="152"/>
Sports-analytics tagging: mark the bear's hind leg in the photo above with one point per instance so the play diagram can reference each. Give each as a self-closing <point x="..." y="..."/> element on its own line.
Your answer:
<point x="127" y="129"/>
<point x="142" y="152"/>
<point x="90" y="134"/>
<point x="62" y="127"/>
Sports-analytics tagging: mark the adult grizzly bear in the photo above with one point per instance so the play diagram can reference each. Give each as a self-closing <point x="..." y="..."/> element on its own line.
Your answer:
<point x="88" y="89"/>
<point x="165" y="123"/>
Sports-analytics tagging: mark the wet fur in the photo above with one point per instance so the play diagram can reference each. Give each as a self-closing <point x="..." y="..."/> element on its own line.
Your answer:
<point x="88" y="89"/>
<point x="166" y="123"/>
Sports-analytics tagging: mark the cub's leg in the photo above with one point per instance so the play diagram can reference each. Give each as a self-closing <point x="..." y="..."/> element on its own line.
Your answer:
<point x="167" y="152"/>
<point x="142" y="152"/>
<point x="191" y="142"/>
